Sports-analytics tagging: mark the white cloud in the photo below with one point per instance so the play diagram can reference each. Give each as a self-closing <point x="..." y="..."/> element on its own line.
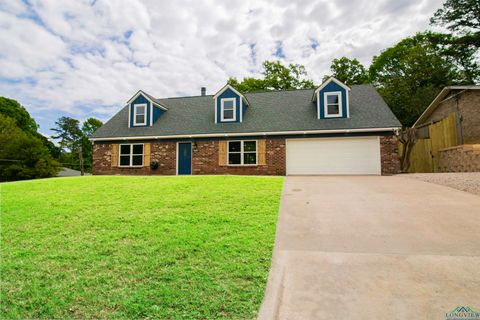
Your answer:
<point x="89" y="57"/>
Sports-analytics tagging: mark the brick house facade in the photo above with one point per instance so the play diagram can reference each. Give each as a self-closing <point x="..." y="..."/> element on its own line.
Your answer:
<point x="205" y="159"/>
<point x="333" y="129"/>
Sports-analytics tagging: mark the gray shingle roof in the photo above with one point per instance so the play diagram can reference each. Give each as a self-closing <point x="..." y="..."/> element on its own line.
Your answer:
<point x="291" y="110"/>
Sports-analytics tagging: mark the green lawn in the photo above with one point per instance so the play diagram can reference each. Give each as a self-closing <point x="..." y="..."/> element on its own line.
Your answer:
<point x="137" y="247"/>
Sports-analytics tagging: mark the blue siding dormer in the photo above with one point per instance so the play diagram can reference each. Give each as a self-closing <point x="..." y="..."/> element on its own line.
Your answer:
<point x="331" y="93"/>
<point x="152" y="111"/>
<point x="229" y="98"/>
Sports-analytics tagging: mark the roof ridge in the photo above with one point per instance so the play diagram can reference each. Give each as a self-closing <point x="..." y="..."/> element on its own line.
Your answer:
<point x="255" y="92"/>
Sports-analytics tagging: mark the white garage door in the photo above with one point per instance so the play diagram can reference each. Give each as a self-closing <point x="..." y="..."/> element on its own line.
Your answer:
<point x="359" y="155"/>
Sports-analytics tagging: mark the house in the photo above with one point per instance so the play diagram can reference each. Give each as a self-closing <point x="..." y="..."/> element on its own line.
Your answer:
<point x="448" y="132"/>
<point x="333" y="129"/>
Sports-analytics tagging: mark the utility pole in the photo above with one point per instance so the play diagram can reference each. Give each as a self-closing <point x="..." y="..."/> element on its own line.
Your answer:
<point x="80" y="156"/>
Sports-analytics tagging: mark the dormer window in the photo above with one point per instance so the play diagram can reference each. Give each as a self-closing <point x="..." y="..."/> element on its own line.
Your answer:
<point x="230" y="105"/>
<point x="140" y="114"/>
<point x="228" y="109"/>
<point x="333" y="104"/>
<point x="331" y="99"/>
<point x="144" y="110"/>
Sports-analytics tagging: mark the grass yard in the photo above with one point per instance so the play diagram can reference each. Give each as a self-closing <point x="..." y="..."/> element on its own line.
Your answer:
<point x="137" y="247"/>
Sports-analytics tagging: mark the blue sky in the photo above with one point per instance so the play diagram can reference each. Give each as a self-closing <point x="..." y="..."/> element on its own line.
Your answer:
<point x="87" y="58"/>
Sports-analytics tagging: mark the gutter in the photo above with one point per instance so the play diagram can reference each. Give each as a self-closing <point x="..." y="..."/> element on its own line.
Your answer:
<point x="275" y="133"/>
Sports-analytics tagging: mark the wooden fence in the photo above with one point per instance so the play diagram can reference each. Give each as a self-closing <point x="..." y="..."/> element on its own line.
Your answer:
<point x="424" y="155"/>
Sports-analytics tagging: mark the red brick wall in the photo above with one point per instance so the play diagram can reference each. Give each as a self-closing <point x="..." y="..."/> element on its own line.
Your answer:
<point x="389" y="155"/>
<point x="205" y="159"/>
<point x="163" y="152"/>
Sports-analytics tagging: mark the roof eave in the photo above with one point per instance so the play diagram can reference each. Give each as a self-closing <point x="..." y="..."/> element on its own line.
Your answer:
<point x="238" y="134"/>
<point x="148" y="97"/>
<point x="340" y="83"/>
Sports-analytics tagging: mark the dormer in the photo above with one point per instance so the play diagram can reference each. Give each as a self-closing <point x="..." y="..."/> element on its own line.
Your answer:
<point x="331" y="99"/>
<point x="230" y="105"/>
<point x="143" y="110"/>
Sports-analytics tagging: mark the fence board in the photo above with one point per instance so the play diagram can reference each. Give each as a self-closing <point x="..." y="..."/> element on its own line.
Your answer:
<point x="424" y="155"/>
<point x="443" y="134"/>
<point x="420" y="157"/>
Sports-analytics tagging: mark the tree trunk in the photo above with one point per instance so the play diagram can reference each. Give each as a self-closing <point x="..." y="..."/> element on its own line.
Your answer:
<point x="407" y="138"/>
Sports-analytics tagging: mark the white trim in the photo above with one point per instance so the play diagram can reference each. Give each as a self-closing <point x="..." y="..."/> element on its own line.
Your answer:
<point x="135" y="106"/>
<point x="225" y="87"/>
<point x="129" y="115"/>
<point x="191" y="157"/>
<point x="222" y="108"/>
<point x="246" y="134"/>
<point x="325" y="104"/>
<point x="348" y="105"/>
<point x="216" y="113"/>
<point x="324" y="84"/>
<point x="241" y="110"/>
<point x="151" y="114"/>
<point x="318" y="104"/>
<point x="242" y="152"/>
<point x="131" y="154"/>
<point x="146" y="96"/>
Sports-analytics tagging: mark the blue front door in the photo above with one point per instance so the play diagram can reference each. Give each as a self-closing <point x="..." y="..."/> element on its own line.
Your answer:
<point x="185" y="158"/>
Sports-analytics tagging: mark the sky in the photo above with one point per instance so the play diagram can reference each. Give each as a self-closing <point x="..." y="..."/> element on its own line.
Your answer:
<point x="87" y="58"/>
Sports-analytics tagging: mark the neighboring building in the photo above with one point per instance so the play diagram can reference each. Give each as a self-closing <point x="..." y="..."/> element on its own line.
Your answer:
<point x="449" y="132"/>
<point x="333" y="129"/>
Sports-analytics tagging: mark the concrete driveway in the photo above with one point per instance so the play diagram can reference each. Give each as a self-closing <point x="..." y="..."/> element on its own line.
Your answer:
<point x="373" y="248"/>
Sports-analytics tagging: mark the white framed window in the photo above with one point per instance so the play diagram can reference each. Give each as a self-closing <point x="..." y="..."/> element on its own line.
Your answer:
<point x="131" y="155"/>
<point x="228" y="109"/>
<point x="332" y="104"/>
<point x="140" y="114"/>
<point x="242" y="153"/>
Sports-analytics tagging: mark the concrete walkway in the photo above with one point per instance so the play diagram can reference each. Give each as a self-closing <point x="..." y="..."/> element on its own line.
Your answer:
<point x="373" y="248"/>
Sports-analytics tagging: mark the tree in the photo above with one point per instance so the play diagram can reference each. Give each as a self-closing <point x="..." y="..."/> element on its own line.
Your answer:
<point x="248" y="84"/>
<point x="74" y="141"/>
<point x="70" y="135"/>
<point x="349" y="71"/>
<point x="410" y="74"/>
<point x="458" y="16"/>
<point x="12" y="109"/>
<point x="462" y="19"/>
<point x="407" y="137"/>
<point x="88" y="128"/>
<point x="276" y="76"/>
<point x="22" y="155"/>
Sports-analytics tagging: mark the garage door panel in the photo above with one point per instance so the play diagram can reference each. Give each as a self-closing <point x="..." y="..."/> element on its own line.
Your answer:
<point x="333" y="156"/>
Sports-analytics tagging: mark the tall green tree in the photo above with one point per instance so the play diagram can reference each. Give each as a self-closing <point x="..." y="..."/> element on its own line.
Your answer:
<point x="461" y="45"/>
<point x="22" y="154"/>
<point x="276" y="76"/>
<point x="349" y="71"/>
<point x="12" y="109"/>
<point x="88" y="128"/>
<point x="70" y="138"/>
<point x="410" y="74"/>
<point x="461" y="16"/>
<point x="74" y="141"/>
